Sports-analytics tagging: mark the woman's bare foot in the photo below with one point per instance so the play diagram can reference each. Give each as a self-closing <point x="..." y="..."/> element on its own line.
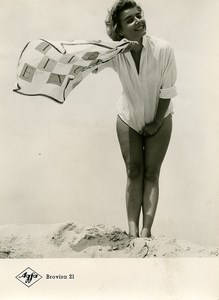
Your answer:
<point x="145" y="233"/>
<point x="133" y="229"/>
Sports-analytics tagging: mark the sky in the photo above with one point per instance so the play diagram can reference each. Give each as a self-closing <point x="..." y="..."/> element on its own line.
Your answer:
<point x="63" y="163"/>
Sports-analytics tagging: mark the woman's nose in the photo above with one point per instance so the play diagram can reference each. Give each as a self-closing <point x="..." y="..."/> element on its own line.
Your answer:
<point x="137" y="20"/>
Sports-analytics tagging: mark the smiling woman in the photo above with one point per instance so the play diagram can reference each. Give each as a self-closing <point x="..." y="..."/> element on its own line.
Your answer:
<point x="144" y="123"/>
<point x="147" y="73"/>
<point x="122" y="13"/>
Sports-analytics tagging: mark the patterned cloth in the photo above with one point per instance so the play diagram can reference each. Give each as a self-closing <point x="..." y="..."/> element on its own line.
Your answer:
<point x="54" y="69"/>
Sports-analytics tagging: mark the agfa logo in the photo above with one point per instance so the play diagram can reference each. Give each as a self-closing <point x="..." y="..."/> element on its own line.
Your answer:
<point x="28" y="277"/>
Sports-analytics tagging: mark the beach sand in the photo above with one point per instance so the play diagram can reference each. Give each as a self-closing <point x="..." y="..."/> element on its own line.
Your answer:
<point x="74" y="240"/>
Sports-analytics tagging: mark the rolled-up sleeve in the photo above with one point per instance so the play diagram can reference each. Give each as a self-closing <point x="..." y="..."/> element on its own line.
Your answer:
<point x="168" y="88"/>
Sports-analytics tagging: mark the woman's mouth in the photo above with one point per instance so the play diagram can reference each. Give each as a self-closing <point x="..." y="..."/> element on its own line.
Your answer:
<point x="141" y="27"/>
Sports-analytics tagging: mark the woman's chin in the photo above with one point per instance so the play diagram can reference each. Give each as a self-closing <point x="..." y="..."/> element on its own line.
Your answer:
<point x="144" y="31"/>
<point x="141" y="33"/>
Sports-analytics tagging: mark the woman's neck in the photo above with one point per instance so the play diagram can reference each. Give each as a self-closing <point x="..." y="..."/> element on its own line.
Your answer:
<point x="137" y="48"/>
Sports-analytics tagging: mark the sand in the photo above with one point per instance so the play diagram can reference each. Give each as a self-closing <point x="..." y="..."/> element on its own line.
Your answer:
<point x="73" y="240"/>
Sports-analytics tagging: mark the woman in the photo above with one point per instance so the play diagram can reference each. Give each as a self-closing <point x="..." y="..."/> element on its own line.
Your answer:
<point x="144" y="122"/>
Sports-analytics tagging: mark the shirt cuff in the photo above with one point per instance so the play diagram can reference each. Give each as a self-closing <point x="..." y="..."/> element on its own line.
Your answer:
<point x="168" y="93"/>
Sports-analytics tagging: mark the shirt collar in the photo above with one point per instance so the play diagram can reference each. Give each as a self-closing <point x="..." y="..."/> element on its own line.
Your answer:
<point x="145" y="41"/>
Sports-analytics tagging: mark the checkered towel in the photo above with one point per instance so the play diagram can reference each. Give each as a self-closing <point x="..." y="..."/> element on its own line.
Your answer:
<point x="54" y="69"/>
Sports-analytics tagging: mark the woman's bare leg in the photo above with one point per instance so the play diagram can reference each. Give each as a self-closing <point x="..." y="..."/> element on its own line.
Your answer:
<point x="155" y="150"/>
<point x="131" y="144"/>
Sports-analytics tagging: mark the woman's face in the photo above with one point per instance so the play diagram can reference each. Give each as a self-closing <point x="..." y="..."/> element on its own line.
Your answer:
<point x="132" y="24"/>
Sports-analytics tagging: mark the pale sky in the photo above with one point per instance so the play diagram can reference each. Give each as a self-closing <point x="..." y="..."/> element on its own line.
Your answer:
<point x="63" y="163"/>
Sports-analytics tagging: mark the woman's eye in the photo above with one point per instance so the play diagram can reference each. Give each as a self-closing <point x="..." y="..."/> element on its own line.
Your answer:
<point x="130" y="20"/>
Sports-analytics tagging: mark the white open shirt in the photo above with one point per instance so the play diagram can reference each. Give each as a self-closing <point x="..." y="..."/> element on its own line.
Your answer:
<point x="138" y="103"/>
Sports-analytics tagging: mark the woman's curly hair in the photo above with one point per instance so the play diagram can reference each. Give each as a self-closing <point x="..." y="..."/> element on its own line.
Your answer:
<point x="112" y="20"/>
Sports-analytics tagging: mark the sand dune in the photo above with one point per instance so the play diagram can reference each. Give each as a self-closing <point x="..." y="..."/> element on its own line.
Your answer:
<point x="73" y="240"/>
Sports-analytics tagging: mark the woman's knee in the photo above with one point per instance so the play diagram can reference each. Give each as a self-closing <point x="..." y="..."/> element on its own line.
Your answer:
<point x="152" y="173"/>
<point x="134" y="170"/>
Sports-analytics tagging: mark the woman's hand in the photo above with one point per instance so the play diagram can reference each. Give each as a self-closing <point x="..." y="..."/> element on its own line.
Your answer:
<point x="131" y="45"/>
<point x="150" y="129"/>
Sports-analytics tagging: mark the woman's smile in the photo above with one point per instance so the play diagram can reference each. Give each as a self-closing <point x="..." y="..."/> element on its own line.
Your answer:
<point x="132" y="24"/>
<point x="140" y="27"/>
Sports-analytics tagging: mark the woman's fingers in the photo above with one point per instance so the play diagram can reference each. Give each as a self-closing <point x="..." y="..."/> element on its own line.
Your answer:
<point x="149" y="129"/>
<point x="130" y="46"/>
